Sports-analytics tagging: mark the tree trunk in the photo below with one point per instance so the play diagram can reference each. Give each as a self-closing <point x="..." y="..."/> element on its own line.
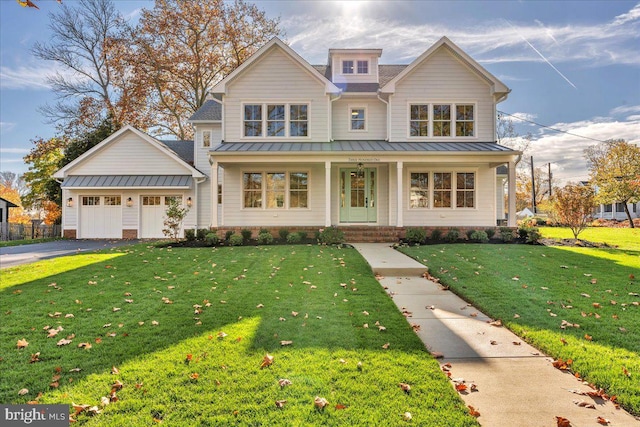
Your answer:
<point x="626" y="210"/>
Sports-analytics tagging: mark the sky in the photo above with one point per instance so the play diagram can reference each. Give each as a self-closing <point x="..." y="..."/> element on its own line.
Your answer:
<point x="571" y="66"/>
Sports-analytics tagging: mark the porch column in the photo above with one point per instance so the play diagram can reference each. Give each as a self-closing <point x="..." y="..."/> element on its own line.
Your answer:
<point x="327" y="193"/>
<point x="214" y="194"/>
<point x="399" y="222"/>
<point x="512" y="194"/>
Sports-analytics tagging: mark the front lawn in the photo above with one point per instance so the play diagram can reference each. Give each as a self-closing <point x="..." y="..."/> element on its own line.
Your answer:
<point x="623" y="238"/>
<point x="186" y="332"/>
<point x="572" y="303"/>
<point x="7" y="243"/>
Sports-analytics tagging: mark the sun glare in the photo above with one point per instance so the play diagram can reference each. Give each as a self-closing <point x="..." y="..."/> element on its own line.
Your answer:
<point x="350" y="7"/>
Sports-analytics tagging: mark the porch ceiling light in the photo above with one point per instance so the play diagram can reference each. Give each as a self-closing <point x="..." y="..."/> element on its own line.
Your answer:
<point x="70" y="202"/>
<point x="129" y="202"/>
<point x="189" y="202"/>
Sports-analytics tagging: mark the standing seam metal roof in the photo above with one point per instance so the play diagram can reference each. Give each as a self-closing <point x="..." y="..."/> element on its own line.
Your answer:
<point x="130" y="181"/>
<point x="364" y="146"/>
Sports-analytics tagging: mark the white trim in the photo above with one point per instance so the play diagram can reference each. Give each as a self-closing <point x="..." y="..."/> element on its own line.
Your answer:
<point x="431" y="171"/>
<point x="263" y="189"/>
<point x="350" y="109"/>
<point x="452" y="104"/>
<point x="264" y="104"/>
<point x="202" y="138"/>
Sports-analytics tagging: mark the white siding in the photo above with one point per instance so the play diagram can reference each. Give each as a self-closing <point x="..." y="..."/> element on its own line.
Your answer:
<point x="130" y="155"/>
<point x="442" y="78"/>
<point x="235" y="215"/>
<point x="201" y="157"/>
<point x="276" y="77"/>
<point x="376" y="119"/>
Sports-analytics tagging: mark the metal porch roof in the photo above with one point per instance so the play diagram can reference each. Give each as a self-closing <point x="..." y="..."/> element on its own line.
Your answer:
<point x="127" y="181"/>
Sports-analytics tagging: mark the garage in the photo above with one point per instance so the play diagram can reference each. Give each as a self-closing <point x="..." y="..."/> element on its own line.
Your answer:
<point x="100" y="217"/>
<point x="152" y="215"/>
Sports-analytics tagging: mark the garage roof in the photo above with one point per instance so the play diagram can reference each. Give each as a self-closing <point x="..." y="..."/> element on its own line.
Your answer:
<point x="127" y="181"/>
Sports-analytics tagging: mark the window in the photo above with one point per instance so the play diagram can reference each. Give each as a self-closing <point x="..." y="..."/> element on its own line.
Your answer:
<point x="347" y="67"/>
<point x="619" y="207"/>
<point x="298" y="121"/>
<point x="357" y="118"/>
<point x="252" y="187"/>
<point x="634" y="208"/>
<point x="608" y="208"/>
<point x="363" y="67"/>
<point x="442" y="189"/>
<point x="112" y="201"/>
<point x="219" y="194"/>
<point x="206" y="139"/>
<point x="441" y="120"/>
<point x="275" y="120"/>
<point x="275" y="190"/>
<point x="419" y="192"/>
<point x="90" y="200"/>
<point x="151" y="200"/>
<point x="465" y="189"/>
<point x="298" y="189"/>
<point x="464" y="120"/>
<point x="253" y="120"/>
<point x="419" y="120"/>
<point x="169" y="199"/>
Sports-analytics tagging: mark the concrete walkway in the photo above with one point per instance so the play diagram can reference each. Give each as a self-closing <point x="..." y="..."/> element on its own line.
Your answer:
<point x="517" y="384"/>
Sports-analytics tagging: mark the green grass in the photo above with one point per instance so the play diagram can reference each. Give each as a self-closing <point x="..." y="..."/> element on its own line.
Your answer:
<point x="624" y="238"/>
<point x="7" y="243"/>
<point x="546" y="285"/>
<point x="249" y="293"/>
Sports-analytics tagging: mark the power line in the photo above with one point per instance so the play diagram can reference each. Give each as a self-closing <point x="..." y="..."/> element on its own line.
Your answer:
<point x="549" y="127"/>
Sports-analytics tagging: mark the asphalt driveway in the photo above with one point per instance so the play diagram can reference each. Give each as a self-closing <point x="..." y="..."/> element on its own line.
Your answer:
<point x="16" y="255"/>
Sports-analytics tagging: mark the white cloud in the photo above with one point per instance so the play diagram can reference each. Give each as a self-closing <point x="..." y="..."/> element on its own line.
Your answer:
<point x="625" y="109"/>
<point x="7" y="126"/>
<point x="13" y="150"/>
<point x="632" y="15"/>
<point x="524" y="117"/>
<point x="23" y="77"/>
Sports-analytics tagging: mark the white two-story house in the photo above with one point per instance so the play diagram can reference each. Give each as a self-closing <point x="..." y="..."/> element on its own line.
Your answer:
<point x="282" y="143"/>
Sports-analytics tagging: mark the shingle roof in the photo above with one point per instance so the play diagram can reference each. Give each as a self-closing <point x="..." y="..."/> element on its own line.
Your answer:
<point x="385" y="74"/>
<point x="210" y="111"/>
<point x="364" y="146"/>
<point x="184" y="149"/>
<point x="128" y="181"/>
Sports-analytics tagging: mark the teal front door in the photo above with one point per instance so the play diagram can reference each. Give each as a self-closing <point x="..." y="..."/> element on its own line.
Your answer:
<point x="358" y="195"/>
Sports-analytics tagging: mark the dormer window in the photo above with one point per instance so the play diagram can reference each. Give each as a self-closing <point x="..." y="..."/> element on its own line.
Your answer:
<point x="347" y="67"/>
<point x="355" y="67"/>
<point x="363" y="67"/>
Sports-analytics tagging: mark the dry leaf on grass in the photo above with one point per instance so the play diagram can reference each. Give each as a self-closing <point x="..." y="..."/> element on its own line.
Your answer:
<point x="283" y="382"/>
<point x="405" y="387"/>
<point x="283" y="343"/>
<point x="266" y="361"/>
<point x="280" y="403"/>
<point x="320" y="402"/>
<point x="407" y="416"/>
<point x="22" y="343"/>
<point x="23" y="391"/>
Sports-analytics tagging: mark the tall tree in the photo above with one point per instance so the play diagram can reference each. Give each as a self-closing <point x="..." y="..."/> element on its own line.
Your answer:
<point x="10" y="188"/>
<point x="614" y="169"/>
<point x="181" y="49"/>
<point x="87" y="86"/>
<point x="43" y="160"/>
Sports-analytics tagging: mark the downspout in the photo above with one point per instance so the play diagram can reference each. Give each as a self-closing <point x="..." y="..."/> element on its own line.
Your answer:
<point x="331" y="116"/>
<point x="388" y="115"/>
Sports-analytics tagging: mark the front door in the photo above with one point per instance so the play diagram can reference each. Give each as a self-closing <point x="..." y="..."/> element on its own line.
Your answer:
<point x="358" y="195"/>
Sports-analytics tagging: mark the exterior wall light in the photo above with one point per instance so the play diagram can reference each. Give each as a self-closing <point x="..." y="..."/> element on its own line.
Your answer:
<point x="189" y="202"/>
<point x="70" y="202"/>
<point x="129" y="202"/>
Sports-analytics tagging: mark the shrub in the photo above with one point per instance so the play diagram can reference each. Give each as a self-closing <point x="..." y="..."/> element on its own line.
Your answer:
<point x="490" y="233"/>
<point x="294" y="238"/>
<point x="469" y="233"/>
<point x="453" y="235"/>
<point x="479" y="236"/>
<point x="331" y="236"/>
<point x="211" y="239"/>
<point x="190" y="234"/>
<point x="303" y="235"/>
<point x="235" y="239"/>
<point x="265" y="238"/>
<point x="264" y="230"/>
<point x="436" y="234"/>
<point x="283" y="233"/>
<point x="415" y="235"/>
<point x="533" y="235"/>
<point x="506" y="234"/>
<point x="246" y="234"/>
<point x="522" y="231"/>
<point x="540" y="221"/>
<point x="173" y="217"/>
<point x="201" y="233"/>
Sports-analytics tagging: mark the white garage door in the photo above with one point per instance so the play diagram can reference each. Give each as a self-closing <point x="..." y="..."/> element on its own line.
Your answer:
<point x="100" y="217"/>
<point x="153" y="215"/>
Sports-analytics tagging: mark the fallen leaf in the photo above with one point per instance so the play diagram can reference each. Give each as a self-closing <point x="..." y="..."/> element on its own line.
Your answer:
<point x="283" y="343"/>
<point x="266" y="361"/>
<point x="194" y="376"/>
<point x="35" y="358"/>
<point x="494" y="342"/>
<point x="283" y="382"/>
<point x="405" y="387"/>
<point x="460" y="387"/>
<point x="473" y="411"/>
<point x="23" y="391"/>
<point x="583" y="404"/>
<point x="588" y="337"/>
<point x="563" y="422"/>
<point x="294" y="313"/>
<point x="496" y="323"/>
<point x="84" y="345"/>
<point x="596" y="305"/>
<point x="114" y="370"/>
<point x="407" y="416"/>
<point x="320" y="402"/>
<point x="22" y="343"/>
<point x="517" y="343"/>
<point x="339" y="406"/>
<point x="260" y="306"/>
<point x="63" y="342"/>
<point x="386" y="346"/>
<point x="280" y="403"/>
<point x="603" y="421"/>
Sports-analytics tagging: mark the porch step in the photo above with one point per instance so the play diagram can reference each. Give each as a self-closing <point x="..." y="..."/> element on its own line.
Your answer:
<point x="371" y="234"/>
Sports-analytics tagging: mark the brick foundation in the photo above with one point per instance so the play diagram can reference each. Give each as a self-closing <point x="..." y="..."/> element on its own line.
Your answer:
<point x="129" y="234"/>
<point x="69" y="233"/>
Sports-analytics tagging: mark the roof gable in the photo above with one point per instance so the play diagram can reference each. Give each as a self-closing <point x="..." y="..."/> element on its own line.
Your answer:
<point x="105" y="148"/>
<point x="499" y="89"/>
<point x="210" y="111"/>
<point x="274" y="43"/>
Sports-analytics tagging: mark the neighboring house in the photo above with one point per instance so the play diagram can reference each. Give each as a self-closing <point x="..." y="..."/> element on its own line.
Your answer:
<point x="4" y="217"/>
<point x="616" y="211"/>
<point x="283" y="143"/>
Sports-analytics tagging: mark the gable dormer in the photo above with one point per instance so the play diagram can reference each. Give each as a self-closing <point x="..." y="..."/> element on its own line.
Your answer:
<point x="354" y="66"/>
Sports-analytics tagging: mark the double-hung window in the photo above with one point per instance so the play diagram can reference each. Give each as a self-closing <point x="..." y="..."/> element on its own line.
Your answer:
<point x="442" y="120"/>
<point x="442" y="189"/>
<point x="275" y="189"/>
<point x="206" y="139"/>
<point x="252" y="189"/>
<point x="465" y="189"/>
<point x="419" y="195"/>
<point x="280" y="190"/>
<point x="363" y="67"/>
<point x="298" y="120"/>
<point x="276" y="120"/>
<point x="253" y="120"/>
<point x="358" y="119"/>
<point x="464" y="120"/>
<point x="347" y="67"/>
<point x="298" y="189"/>
<point x="419" y="120"/>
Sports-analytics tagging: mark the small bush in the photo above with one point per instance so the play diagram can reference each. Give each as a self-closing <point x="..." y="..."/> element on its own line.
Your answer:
<point x="506" y="234"/>
<point x="490" y="232"/>
<point x="479" y="236"/>
<point x="469" y="233"/>
<point x="246" y="234"/>
<point x="212" y="239"/>
<point x="190" y="235"/>
<point x="303" y="235"/>
<point x="265" y="238"/>
<point x="415" y="235"/>
<point x="331" y="236"/>
<point x="294" y="238"/>
<point x="283" y="233"/>
<point x="228" y="235"/>
<point x="436" y="234"/>
<point x="264" y="230"/>
<point x="201" y="234"/>
<point x="522" y="232"/>
<point x="540" y="221"/>
<point x="533" y="235"/>
<point x="235" y="240"/>
<point x="453" y="235"/>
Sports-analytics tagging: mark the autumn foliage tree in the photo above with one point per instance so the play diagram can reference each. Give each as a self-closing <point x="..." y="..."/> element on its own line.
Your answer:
<point x="614" y="168"/>
<point x="573" y="206"/>
<point x="43" y="160"/>
<point x="11" y="189"/>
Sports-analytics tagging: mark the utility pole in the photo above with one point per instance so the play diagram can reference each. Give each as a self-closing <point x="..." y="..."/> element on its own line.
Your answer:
<point x="533" y="188"/>
<point x="549" y="164"/>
